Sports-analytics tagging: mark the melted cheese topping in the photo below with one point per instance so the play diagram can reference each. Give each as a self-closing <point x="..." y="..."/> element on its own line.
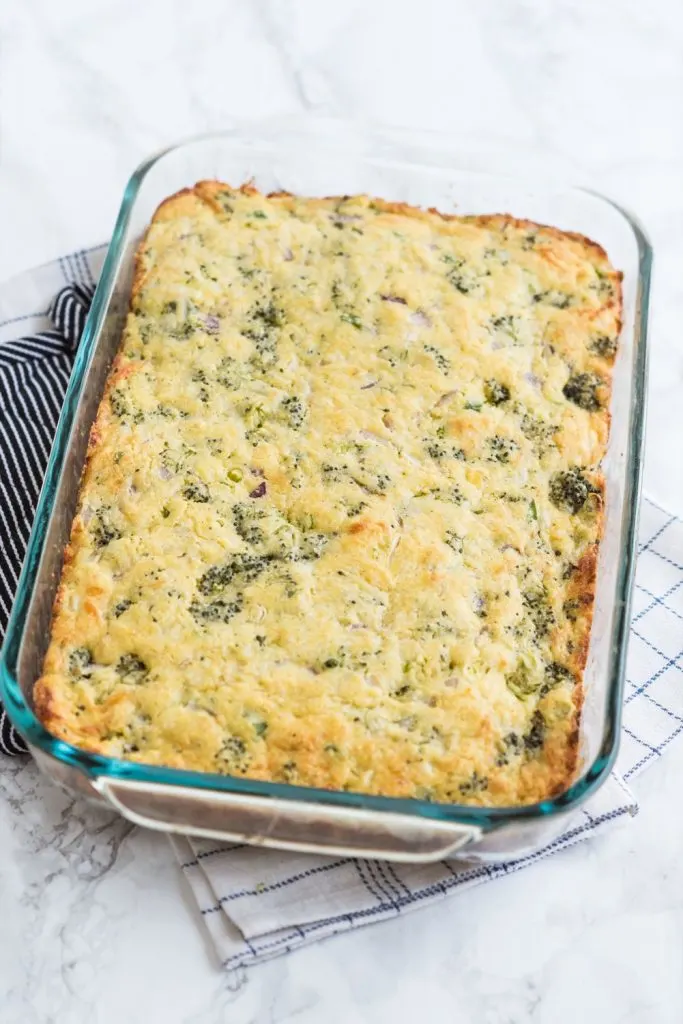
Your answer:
<point x="339" y="519"/>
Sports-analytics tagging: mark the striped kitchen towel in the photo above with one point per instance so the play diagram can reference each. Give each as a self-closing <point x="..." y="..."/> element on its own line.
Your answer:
<point x="257" y="903"/>
<point x="42" y="314"/>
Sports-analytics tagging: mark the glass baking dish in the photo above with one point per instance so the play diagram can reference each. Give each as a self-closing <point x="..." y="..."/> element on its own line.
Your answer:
<point x="315" y="157"/>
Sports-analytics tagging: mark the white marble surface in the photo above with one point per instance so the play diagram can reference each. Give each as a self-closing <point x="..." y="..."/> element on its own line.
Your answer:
<point x="95" y="924"/>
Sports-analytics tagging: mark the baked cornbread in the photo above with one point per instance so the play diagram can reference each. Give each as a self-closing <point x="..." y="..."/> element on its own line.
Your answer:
<point x="340" y="516"/>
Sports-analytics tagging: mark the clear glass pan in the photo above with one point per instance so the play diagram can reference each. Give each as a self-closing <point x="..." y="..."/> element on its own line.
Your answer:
<point x="314" y="157"/>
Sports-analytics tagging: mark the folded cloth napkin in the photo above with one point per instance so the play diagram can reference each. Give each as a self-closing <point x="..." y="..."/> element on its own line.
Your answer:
<point x="258" y="903"/>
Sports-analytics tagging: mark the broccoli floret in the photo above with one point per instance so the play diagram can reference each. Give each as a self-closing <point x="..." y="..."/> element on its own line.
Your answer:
<point x="535" y="737"/>
<point x="184" y="330"/>
<point x="332" y="473"/>
<point x="355" y="510"/>
<point x="103" y="531"/>
<point x="295" y="411"/>
<point x="540" y="612"/>
<point x="437" y="451"/>
<point x="119" y="405"/>
<point x="220" y="610"/>
<point x="196" y="490"/>
<point x="245" y="517"/>
<point x="269" y="315"/>
<point x="552" y="297"/>
<point x="513" y="745"/>
<point x="569" y="491"/>
<point x="228" y="373"/>
<point x="604" y="346"/>
<point x="602" y="285"/>
<point x="234" y="755"/>
<point x="312" y="545"/>
<point x="501" y="448"/>
<point x="496" y="393"/>
<point x="235" y="746"/>
<point x="264" y="320"/>
<point x="452" y="494"/>
<point x="475" y="784"/>
<point x="555" y="674"/>
<point x="288" y="772"/>
<point x="582" y="390"/>
<point x="460" y="276"/>
<point x="506" y="324"/>
<point x="131" y="668"/>
<point x="243" y="568"/>
<point x="79" y="660"/>
<point x="537" y="431"/>
<point x="439" y="358"/>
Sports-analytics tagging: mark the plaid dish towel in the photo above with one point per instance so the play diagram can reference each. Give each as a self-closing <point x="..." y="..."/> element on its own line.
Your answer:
<point x="256" y="903"/>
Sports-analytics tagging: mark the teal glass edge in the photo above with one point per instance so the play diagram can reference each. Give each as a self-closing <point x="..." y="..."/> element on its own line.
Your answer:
<point x="95" y="765"/>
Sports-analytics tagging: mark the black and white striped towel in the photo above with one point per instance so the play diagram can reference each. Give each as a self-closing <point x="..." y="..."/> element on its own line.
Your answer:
<point x="257" y="903"/>
<point x="38" y="339"/>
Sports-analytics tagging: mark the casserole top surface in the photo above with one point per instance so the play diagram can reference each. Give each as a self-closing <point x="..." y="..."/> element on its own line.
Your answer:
<point x="340" y="515"/>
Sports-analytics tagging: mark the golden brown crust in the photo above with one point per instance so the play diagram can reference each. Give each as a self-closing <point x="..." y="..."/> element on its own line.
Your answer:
<point x="546" y="760"/>
<point x="581" y="590"/>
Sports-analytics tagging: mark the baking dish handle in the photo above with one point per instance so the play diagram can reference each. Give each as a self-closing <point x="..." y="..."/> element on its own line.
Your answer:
<point x="285" y="824"/>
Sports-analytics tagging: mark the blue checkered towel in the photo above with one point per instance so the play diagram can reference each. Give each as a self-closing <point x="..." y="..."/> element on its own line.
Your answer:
<point x="259" y="903"/>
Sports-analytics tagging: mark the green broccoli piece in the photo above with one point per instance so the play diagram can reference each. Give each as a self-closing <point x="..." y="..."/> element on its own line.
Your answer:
<point x="569" y="490"/>
<point x="582" y="390"/>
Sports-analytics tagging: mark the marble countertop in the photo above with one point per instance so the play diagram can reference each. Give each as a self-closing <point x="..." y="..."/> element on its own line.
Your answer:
<point x="96" y="924"/>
